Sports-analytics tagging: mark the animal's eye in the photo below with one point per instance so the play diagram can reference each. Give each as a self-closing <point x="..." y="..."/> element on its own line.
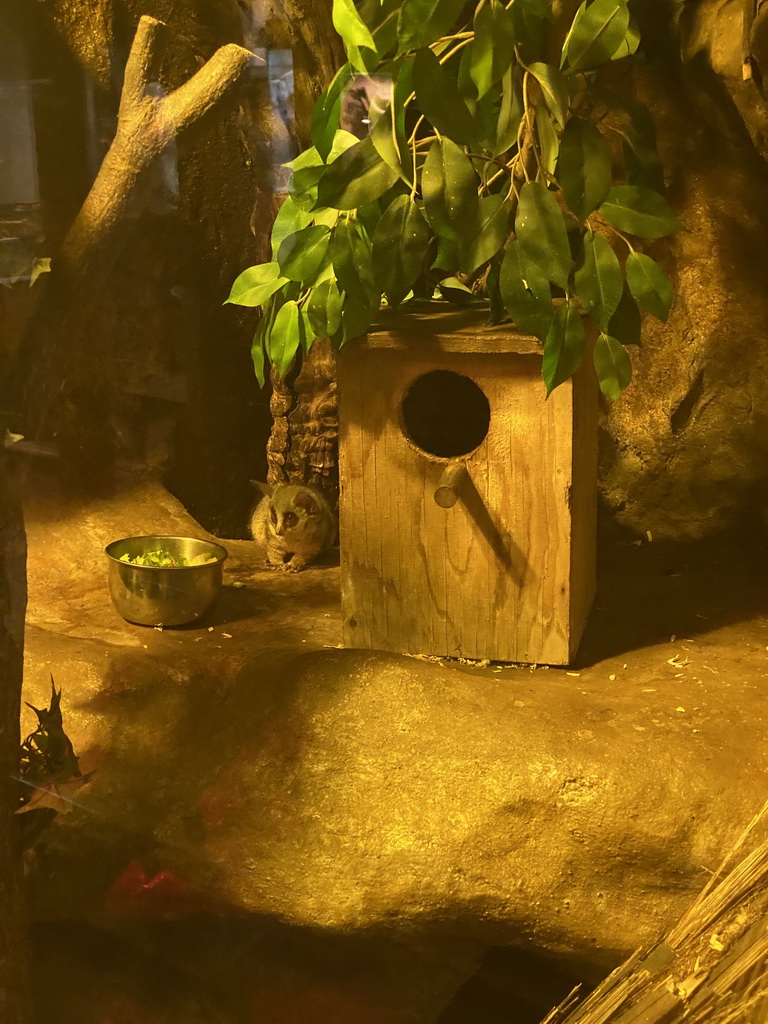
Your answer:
<point x="289" y="518"/>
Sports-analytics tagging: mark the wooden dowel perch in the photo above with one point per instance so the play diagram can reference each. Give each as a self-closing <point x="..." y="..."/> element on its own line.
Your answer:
<point x="451" y="482"/>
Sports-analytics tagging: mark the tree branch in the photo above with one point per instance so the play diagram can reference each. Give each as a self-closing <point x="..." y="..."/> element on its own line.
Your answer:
<point x="207" y="86"/>
<point x="138" y="67"/>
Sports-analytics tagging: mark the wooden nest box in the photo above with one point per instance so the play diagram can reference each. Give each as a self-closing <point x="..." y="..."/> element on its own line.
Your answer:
<point x="467" y="507"/>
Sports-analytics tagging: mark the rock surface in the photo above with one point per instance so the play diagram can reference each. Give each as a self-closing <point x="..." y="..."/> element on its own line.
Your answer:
<point x="355" y="794"/>
<point x="685" y="450"/>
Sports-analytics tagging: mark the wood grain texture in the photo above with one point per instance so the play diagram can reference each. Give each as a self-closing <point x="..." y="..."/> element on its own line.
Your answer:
<point x="497" y="575"/>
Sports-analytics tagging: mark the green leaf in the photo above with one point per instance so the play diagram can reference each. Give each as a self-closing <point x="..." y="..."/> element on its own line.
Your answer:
<point x="421" y="22"/>
<point x="531" y="19"/>
<point x="309" y="167"/>
<point x="448" y="257"/>
<point x="306" y="332"/>
<point x="301" y="255"/>
<point x="599" y="284"/>
<point x="540" y="230"/>
<point x="356" y="177"/>
<point x="554" y="89"/>
<point x="391" y="145"/>
<point x="486" y="115"/>
<point x="399" y="248"/>
<point x="381" y="19"/>
<point x="548" y="141"/>
<point x="650" y="286"/>
<point x="510" y="111"/>
<point x="362" y="59"/>
<point x="350" y="25"/>
<point x="596" y="33"/>
<point x="584" y="167"/>
<point x="292" y="216"/>
<point x="525" y="292"/>
<point x="256" y="284"/>
<point x="324" y="309"/>
<point x="490" y="230"/>
<point x="449" y="186"/>
<point x="325" y="116"/>
<point x="563" y="346"/>
<point x="439" y="100"/>
<point x="642" y="165"/>
<point x="613" y="366"/>
<point x="351" y="255"/>
<point x="629" y="43"/>
<point x="493" y="47"/>
<point x="625" y="322"/>
<point x="496" y="309"/>
<point x="455" y="291"/>
<point x="323" y="215"/>
<point x="257" y="355"/>
<point x="342" y="141"/>
<point x="285" y="337"/>
<point x="467" y="87"/>
<point x="639" y="211"/>
<point x="356" y="316"/>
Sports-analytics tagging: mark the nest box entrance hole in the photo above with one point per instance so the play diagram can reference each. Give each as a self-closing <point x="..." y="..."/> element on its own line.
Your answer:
<point x="445" y="414"/>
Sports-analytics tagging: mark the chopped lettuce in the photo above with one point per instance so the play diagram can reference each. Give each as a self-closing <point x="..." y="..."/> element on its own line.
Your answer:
<point x="165" y="560"/>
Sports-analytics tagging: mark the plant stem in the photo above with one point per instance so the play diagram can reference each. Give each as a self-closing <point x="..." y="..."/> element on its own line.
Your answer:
<point x="456" y="35"/>
<point x="606" y="223"/>
<point x="412" y="139"/>
<point x="486" y="159"/>
<point x="498" y="174"/>
<point x="459" y="46"/>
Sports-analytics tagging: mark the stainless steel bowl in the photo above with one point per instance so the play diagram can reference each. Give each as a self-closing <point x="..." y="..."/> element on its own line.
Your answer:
<point x="151" y="596"/>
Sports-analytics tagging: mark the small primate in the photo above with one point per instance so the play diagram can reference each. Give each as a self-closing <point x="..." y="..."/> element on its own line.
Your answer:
<point x="295" y="524"/>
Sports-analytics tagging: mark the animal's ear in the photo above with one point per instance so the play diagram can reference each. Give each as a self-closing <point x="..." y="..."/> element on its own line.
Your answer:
<point x="308" y="502"/>
<point x="263" y="489"/>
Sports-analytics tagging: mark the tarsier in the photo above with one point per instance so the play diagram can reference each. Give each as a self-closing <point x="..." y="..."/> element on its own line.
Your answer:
<point x="295" y="524"/>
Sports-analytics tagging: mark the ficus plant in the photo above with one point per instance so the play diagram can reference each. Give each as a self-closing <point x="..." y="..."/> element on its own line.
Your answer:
<point x="497" y="166"/>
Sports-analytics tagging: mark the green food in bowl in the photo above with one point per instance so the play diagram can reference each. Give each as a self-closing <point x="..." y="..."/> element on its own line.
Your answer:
<point x="146" y="583"/>
<point x="165" y="560"/>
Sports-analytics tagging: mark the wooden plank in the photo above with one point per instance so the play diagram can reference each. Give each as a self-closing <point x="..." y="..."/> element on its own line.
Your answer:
<point x="452" y="330"/>
<point x="494" y="576"/>
<point x="583" y="499"/>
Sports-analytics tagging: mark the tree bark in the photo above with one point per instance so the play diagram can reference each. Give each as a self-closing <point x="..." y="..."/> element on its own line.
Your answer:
<point x="15" y="1006"/>
<point x="303" y="443"/>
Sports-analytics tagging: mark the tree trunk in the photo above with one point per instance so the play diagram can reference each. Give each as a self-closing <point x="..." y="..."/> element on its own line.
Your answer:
<point x="14" y="990"/>
<point x="149" y="121"/>
<point x="302" y="443"/>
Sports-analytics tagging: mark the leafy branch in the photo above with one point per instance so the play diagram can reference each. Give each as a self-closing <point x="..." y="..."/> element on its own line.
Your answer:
<point x="487" y="164"/>
<point x="47" y="765"/>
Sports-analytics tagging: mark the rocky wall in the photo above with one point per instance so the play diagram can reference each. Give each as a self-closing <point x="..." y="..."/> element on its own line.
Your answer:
<point x="684" y="452"/>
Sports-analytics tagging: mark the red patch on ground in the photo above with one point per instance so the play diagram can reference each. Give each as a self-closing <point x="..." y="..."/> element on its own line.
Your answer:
<point x="165" y="894"/>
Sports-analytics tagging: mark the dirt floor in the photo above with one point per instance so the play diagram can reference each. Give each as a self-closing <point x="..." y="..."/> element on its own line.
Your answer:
<point x="669" y="623"/>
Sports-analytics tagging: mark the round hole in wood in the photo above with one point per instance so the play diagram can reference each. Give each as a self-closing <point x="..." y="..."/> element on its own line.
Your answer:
<point x="445" y="414"/>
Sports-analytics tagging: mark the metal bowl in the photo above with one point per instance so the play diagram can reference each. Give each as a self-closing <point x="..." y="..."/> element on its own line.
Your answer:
<point x="152" y="596"/>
